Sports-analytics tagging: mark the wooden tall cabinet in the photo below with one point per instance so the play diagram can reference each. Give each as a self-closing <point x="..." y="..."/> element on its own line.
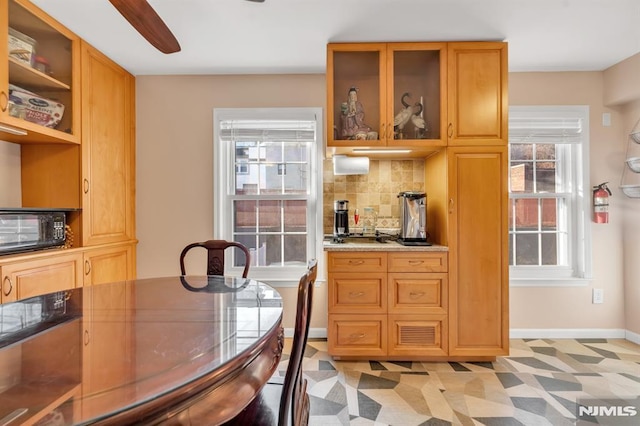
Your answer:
<point x="85" y="165"/>
<point x="478" y="250"/>
<point x="108" y="152"/>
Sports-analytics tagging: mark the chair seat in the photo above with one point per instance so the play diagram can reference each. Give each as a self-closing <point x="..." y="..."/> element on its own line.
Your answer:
<point x="261" y="410"/>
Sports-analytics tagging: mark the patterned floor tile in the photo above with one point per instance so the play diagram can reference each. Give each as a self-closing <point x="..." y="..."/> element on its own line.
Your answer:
<point x="538" y="384"/>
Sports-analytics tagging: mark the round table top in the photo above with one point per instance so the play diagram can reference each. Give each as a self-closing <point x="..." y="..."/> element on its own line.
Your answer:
<point x="105" y="350"/>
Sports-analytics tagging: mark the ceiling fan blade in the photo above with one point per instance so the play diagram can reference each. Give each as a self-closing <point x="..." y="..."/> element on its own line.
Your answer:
<point x="146" y="21"/>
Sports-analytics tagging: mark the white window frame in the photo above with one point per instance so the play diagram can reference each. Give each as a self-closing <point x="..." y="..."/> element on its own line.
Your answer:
<point x="578" y="216"/>
<point x="285" y="276"/>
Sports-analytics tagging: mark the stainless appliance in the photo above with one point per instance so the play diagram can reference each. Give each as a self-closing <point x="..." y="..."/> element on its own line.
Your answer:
<point x="31" y="229"/>
<point x="341" y="218"/>
<point x="413" y="218"/>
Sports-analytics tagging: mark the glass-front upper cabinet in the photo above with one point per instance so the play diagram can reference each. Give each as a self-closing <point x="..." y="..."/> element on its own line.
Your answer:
<point x="386" y="94"/>
<point x="39" y="85"/>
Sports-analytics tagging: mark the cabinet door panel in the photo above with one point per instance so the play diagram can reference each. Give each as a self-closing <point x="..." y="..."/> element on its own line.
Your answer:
<point x="478" y="276"/>
<point x="107" y="150"/>
<point x="108" y="265"/>
<point x="357" y="293"/>
<point x="417" y="262"/>
<point x="357" y="261"/>
<point x="357" y="335"/>
<point x="417" y="335"/>
<point x="411" y="292"/>
<point x="478" y="103"/>
<point x="40" y="276"/>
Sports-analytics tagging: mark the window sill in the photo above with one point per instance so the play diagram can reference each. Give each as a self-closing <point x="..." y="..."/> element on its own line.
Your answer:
<point x="549" y="282"/>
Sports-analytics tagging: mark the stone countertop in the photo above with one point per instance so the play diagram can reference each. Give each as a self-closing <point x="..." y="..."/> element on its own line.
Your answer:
<point x="372" y="245"/>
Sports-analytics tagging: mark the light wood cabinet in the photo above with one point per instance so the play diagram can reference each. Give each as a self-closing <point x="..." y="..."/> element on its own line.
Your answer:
<point x="387" y="305"/>
<point x="40" y="275"/>
<point x="477" y="92"/>
<point x="462" y="87"/>
<point x="61" y="84"/>
<point x="382" y="73"/>
<point x="478" y="250"/>
<point x="108" y="152"/>
<point x="108" y="264"/>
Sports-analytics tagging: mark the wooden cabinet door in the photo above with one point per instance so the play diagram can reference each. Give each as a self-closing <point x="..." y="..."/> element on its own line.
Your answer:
<point x="29" y="278"/>
<point x="361" y="66"/>
<point x="60" y="47"/>
<point x="477" y="91"/>
<point x="418" y="70"/>
<point x="478" y="251"/>
<point x="108" y="152"/>
<point x="109" y="264"/>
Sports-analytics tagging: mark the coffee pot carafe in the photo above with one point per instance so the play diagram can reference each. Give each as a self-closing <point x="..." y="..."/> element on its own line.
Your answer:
<point x="341" y="218"/>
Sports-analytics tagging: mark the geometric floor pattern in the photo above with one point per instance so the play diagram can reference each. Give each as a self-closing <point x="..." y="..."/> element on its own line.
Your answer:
<point x="539" y="383"/>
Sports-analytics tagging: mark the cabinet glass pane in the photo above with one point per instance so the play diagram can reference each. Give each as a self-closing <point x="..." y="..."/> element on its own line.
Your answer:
<point x="416" y="94"/>
<point x="356" y="94"/>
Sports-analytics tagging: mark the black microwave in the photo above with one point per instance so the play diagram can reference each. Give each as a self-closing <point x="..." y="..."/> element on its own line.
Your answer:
<point x="31" y="229"/>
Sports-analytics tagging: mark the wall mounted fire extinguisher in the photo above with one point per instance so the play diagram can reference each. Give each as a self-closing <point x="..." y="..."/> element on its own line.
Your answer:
<point x="601" y="195"/>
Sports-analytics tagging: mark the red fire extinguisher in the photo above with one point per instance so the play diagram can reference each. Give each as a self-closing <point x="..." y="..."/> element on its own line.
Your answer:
<point x="601" y="203"/>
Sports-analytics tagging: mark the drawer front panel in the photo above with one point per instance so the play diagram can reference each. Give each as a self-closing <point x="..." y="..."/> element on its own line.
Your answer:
<point x="424" y="293"/>
<point x="357" y="293"/>
<point x="417" y="262"/>
<point x="355" y="335"/>
<point x="357" y="262"/>
<point x="417" y="335"/>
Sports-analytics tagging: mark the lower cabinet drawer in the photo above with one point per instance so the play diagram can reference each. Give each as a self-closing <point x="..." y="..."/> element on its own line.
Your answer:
<point x="417" y="335"/>
<point x="417" y="293"/>
<point x="357" y="293"/>
<point x="357" y="335"/>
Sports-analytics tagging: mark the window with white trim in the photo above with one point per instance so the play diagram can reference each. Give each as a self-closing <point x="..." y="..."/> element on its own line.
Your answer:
<point x="549" y="195"/>
<point x="266" y="187"/>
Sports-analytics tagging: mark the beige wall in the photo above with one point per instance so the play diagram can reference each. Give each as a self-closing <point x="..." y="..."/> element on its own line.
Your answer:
<point x="175" y="175"/>
<point x="622" y="90"/>
<point x="175" y="161"/>
<point x="571" y="307"/>
<point x="10" y="193"/>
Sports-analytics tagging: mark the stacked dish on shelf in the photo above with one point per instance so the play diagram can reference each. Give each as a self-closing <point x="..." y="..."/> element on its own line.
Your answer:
<point x="630" y="182"/>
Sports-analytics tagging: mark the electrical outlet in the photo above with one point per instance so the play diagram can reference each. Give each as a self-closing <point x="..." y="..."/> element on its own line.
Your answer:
<point x="598" y="295"/>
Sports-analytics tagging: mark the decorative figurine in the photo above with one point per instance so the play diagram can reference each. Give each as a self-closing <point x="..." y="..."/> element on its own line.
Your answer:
<point x="418" y="120"/>
<point x="353" y="125"/>
<point x="402" y="118"/>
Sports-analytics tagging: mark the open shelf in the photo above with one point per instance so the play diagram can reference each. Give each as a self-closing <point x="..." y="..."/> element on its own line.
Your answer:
<point x="39" y="398"/>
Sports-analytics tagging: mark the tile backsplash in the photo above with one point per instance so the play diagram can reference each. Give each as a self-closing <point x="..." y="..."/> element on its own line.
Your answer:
<point x="378" y="189"/>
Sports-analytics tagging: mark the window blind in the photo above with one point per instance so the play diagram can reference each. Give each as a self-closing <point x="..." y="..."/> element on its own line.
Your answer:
<point x="268" y="130"/>
<point x="549" y="130"/>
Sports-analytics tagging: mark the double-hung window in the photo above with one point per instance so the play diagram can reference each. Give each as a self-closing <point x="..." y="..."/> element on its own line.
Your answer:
<point x="266" y="186"/>
<point x="549" y="237"/>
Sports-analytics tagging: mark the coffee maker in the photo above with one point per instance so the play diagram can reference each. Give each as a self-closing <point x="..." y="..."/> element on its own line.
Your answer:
<point x="413" y="218"/>
<point x="341" y="218"/>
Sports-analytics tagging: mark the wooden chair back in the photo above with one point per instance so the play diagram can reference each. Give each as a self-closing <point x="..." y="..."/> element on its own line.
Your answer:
<point x="295" y="401"/>
<point x="215" y="256"/>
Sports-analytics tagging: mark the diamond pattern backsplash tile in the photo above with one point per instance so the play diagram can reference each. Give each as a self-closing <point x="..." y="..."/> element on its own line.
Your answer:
<point x="378" y="189"/>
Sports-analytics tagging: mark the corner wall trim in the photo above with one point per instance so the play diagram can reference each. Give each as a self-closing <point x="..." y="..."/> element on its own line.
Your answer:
<point x="632" y="337"/>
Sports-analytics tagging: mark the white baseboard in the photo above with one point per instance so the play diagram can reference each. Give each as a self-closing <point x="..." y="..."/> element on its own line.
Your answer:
<point x="632" y="337"/>
<point x="531" y="333"/>
<point x="568" y="333"/>
<point x="314" y="333"/>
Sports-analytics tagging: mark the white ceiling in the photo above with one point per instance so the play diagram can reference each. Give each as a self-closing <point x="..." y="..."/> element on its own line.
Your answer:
<point x="290" y="36"/>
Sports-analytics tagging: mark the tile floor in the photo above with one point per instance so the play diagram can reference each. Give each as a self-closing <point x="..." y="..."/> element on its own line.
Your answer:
<point x="537" y="384"/>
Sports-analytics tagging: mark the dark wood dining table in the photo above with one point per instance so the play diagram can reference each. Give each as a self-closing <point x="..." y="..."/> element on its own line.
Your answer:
<point x="146" y="351"/>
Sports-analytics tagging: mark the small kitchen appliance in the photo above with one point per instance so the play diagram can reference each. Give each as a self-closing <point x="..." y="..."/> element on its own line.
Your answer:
<point x="341" y="218"/>
<point x="31" y="229"/>
<point x="413" y="218"/>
